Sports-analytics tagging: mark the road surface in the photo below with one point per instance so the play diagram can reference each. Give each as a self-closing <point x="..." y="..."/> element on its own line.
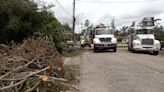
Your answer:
<point x="120" y="72"/>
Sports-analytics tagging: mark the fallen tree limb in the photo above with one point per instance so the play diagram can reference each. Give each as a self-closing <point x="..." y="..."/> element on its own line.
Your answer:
<point x="13" y="85"/>
<point x="18" y="68"/>
<point x="25" y="78"/>
<point x="34" y="87"/>
<point x="54" y="78"/>
<point x="31" y="74"/>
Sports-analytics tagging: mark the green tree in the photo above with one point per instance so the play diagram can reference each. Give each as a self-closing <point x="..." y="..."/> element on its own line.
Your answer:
<point x="16" y="19"/>
<point x="22" y="18"/>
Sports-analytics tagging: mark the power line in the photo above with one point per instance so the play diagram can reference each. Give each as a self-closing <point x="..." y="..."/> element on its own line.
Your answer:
<point x="116" y="2"/>
<point x="63" y="8"/>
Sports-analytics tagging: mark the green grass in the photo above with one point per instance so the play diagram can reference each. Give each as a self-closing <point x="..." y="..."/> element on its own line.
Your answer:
<point x="72" y="73"/>
<point x="72" y="52"/>
<point x="122" y="46"/>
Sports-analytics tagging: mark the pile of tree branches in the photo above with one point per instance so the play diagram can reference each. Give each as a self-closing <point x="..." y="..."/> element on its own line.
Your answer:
<point x="33" y="66"/>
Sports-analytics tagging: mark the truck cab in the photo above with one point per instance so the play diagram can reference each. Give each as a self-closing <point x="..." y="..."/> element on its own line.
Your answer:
<point x="143" y="39"/>
<point x="104" y="39"/>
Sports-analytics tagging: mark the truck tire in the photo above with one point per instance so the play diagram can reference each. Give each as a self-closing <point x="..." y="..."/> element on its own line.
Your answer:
<point x="129" y="48"/>
<point x="133" y="51"/>
<point x="95" y="49"/>
<point x="155" y="52"/>
<point x="82" y="45"/>
<point x="115" y="49"/>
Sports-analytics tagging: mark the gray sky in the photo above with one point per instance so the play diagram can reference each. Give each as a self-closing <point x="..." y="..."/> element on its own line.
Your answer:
<point x="123" y="11"/>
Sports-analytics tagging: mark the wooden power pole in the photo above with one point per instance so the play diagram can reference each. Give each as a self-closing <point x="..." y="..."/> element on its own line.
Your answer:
<point x="74" y="21"/>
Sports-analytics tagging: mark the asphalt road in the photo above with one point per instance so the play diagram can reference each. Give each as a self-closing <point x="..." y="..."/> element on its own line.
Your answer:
<point x="120" y="72"/>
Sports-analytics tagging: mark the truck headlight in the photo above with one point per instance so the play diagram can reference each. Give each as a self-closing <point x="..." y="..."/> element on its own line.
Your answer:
<point x="114" y="40"/>
<point x="96" y="40"/>
<point x="157" y="43"/>
<point x="136" y="43"/>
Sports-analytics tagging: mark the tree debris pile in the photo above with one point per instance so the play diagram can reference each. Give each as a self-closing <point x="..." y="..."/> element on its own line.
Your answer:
<point x="31" y="66"/>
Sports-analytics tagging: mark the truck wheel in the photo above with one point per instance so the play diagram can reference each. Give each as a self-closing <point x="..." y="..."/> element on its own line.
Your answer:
<point x="156" y="52"/>
<point x="95" y="49"/>
<point x="128" y="48"/>
<point x="133" y="51"/>
<point x="115" y="49"/>
<point x="82" y="45"/>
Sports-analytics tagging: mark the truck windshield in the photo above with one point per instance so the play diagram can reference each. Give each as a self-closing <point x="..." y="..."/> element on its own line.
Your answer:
<point x="144" y="31"/>
<point x="103" y="31"/>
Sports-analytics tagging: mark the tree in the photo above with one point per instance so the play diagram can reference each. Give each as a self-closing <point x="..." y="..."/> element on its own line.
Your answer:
<point x="22" y="18"/>
<point x="159" y="34"/>
<point x="17" y="18"/>
<point x="87" y="23"/>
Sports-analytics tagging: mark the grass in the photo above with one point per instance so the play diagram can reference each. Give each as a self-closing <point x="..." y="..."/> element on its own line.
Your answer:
<point x="74" y="51"/>
<point x="72" y="73"/>
<point x="122" y="46"/>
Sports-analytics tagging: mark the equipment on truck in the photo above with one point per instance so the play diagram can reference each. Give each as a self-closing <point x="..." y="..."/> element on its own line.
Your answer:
<point x="103" y="38"/>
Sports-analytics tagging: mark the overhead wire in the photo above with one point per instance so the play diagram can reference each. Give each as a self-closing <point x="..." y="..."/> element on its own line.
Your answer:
<point x="63" y="8"/>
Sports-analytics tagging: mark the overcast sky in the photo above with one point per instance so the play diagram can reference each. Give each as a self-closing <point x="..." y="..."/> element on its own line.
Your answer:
<point x="103" y="11"/>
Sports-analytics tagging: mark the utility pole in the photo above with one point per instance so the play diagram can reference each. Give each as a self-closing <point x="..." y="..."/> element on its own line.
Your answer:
<point x="74" y="21"/>
<point x="113" y="25"/>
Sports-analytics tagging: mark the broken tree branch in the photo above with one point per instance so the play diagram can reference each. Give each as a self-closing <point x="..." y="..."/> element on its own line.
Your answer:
<point x="18" y="68"/>
<point x="13" y="85"/>
<point x="31" y="74"/>
<point x="34" y="87"/>
<point x="54" y="78"/>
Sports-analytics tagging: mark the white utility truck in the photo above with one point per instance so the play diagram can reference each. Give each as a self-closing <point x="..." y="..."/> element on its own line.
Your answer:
<point x="104" y="39"/>
<point x="143" y="39"/>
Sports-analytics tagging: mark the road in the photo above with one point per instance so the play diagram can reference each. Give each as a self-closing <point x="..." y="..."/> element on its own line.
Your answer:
<point x="120" y="72"/>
